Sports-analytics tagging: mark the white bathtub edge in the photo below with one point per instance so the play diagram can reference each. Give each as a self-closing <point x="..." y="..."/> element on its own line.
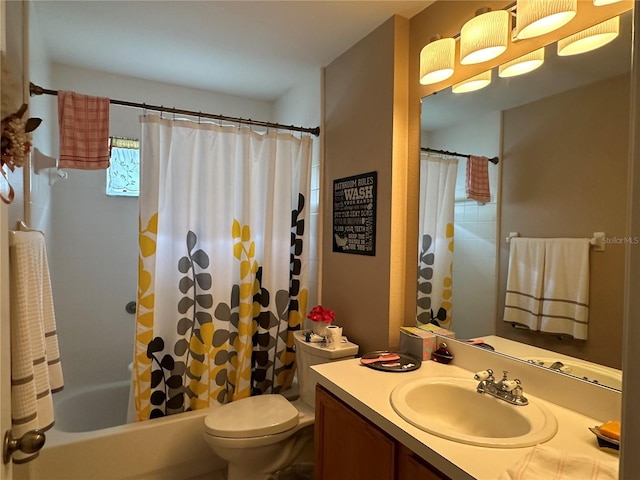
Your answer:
<point x="169" y="448"/>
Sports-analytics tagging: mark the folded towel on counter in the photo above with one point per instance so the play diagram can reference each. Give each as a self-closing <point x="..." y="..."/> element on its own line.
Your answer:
<point x="565" y="304"/>
<point x="548" y="463"/>
<point x="84" y="131"/>
<point x="524" y="282"/>
<point x="36" y="371"/>
<point x="477" y="186"/>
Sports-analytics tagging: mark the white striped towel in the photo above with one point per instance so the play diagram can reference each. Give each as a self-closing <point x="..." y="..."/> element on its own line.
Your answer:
<point x="524" y="282"/>
<point x="565" y="303"/>
<point x="36" y="371"/>
<point x="548" y="463"/>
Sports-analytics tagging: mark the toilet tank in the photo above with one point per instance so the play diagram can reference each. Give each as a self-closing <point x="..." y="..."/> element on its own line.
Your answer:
<point x="308" y="354"/>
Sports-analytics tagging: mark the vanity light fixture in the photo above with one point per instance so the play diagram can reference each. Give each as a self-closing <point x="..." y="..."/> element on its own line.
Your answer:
<point x="437" y="60"/>
<point x="485" y="36"/>
<point x="537" y="17"/>
<point x="599" y="3"/>
<point x="474" y="83"/>
<point x="590" y="38"/>
<point x="521" y="65"/>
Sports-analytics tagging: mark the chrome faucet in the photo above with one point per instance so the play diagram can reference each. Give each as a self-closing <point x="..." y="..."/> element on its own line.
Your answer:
<point x="508" y="390"/>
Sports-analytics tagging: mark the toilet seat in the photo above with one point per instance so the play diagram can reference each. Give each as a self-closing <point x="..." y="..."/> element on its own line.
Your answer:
<point x="231" y="443"/>
<point x="251" y="417"/>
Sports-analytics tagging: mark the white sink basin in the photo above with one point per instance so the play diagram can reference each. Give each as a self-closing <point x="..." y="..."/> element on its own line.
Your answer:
<point x="452" y="408"/>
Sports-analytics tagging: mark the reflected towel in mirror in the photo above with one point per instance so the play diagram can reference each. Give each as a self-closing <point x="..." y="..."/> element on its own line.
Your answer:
<point x="477" y="186"/>
<point x="548" y="285"/>
<point x="525" y="282"/>
<point x="565" y="305"/>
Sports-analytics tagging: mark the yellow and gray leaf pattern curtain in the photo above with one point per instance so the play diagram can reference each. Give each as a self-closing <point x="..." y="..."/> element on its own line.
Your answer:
<point x="222" y="266"/>
<point x="435" y="229"/>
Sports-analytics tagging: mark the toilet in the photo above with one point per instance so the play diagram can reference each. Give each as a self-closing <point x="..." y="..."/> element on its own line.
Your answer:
<point x="260" y="435"/>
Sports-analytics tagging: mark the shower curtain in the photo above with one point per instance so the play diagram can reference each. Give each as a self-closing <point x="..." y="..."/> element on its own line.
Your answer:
<point x="222" y="264"/>
<point x="435" y="252"/>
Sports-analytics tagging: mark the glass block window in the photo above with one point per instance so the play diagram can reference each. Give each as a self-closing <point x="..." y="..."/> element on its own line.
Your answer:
<point x="123" y="174"/>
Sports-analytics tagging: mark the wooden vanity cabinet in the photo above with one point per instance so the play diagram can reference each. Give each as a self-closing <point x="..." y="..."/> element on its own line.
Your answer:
<point x="412" y="467"/>
<point x="350" y="447"/>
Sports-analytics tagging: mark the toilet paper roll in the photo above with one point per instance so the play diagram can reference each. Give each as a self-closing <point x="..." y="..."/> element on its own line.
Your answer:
<point x="334" y="336"/>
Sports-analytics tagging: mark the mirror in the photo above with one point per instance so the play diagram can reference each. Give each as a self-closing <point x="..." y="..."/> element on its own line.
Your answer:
<point x="561" y="135"/>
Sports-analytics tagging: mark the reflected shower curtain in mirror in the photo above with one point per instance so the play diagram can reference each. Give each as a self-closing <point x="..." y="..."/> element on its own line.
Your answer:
<point x="435" y="249"/>
<point x="222" y="263"/>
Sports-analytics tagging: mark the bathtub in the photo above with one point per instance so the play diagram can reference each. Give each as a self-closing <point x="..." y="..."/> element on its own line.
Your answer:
<point x="92" y="408"/>
<point x="91" y="441"/>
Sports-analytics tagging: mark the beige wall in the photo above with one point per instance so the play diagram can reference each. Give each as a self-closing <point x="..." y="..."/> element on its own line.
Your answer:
<point x="365" y="129"/>
<point x="564" y="171"/>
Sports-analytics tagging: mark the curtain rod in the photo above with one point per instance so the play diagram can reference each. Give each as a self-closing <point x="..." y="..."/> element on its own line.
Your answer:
<point x="493" y="160"/>
<point x="36" y="90"/>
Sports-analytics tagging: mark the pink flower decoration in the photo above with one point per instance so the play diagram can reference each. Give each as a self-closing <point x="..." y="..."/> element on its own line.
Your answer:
<point x="321" y="314"/>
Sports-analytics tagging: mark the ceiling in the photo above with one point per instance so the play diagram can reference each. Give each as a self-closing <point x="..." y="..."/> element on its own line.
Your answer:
<point x="261" y="49"/>
<point x="254" y="49"/>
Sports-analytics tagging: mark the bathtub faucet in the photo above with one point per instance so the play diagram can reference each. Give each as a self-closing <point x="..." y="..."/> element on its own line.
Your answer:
<point x="508" y="390"/>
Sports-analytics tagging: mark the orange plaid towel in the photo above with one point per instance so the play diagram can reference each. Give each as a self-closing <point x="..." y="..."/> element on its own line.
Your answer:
<point x="478" y="179"/>
<point x="84" y="131"/>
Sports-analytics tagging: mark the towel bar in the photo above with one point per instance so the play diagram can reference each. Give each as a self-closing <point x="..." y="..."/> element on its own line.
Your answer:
<point x="596" y="241"/>
<point x="517" y="326"/>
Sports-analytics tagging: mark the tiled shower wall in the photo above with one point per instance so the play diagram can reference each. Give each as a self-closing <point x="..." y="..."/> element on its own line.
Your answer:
<point x="474" y="258"/>
<point x="475" y="226"/>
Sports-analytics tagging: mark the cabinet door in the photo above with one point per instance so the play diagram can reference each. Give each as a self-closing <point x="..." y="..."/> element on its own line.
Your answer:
<point x="412" y="467"/>
<point x="348" y="446"/>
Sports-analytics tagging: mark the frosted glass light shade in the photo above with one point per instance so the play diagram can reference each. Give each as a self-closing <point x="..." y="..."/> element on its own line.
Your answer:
<point x="474" y="83"/>
<point x="599" y="3"/>
<point x="437" y="61"/>
<point x="537" y="17"/>
<point x="521" y="65"/>
<point x="484" y="37"/>
<point x="590" y="39"/>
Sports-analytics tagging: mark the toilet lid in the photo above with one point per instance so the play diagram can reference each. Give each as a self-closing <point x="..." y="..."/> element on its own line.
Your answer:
<point x="252" y="417"/>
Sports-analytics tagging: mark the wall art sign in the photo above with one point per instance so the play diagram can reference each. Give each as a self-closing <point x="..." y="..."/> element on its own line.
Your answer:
<point x="354" y="214"/>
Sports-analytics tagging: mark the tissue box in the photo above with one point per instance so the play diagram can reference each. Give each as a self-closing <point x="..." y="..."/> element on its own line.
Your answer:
<point x="417" y="342"/>
<point x="443" y="332"/>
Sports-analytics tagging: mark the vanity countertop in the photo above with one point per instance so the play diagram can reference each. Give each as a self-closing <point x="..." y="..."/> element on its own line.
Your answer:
<point x="367" y="391"/>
